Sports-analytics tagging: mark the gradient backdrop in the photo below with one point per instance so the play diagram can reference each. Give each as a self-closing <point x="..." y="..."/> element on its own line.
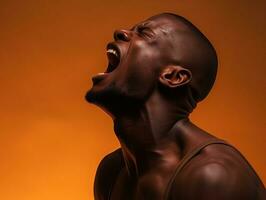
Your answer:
<point x="51" y="140"/>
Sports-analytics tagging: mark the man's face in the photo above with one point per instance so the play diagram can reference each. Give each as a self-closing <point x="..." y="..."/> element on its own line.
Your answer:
<point x="135" y="60"/>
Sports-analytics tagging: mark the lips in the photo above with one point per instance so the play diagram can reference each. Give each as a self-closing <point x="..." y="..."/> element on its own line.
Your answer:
<point x="98" y="78"/>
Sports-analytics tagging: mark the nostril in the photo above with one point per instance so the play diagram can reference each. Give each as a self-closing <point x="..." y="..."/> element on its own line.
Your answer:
<point x="121" y="35"/>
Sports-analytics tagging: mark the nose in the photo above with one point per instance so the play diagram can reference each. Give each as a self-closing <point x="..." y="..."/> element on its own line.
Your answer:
<point x="123" y="35"/>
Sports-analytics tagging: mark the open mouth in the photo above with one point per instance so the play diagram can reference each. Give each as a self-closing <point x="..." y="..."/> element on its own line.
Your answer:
<point x="113" y="55"/>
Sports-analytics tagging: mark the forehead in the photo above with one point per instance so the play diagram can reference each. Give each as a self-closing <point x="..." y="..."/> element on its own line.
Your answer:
<point x="163" y="22"/>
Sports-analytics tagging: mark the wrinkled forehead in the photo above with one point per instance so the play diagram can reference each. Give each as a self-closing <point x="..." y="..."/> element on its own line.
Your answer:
<point x="163" y="23"/>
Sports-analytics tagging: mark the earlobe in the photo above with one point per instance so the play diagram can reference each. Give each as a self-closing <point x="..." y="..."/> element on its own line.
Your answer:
<point x="175" y="76"/>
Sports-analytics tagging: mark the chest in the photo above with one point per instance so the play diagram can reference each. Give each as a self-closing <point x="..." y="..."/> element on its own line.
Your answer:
<point x="150" y="186"/>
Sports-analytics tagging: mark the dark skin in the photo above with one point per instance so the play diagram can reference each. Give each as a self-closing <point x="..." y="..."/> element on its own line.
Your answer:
<point x="152" y="84"/>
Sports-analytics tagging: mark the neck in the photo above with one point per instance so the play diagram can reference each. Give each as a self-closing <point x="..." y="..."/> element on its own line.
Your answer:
<point x="159" y="133"/>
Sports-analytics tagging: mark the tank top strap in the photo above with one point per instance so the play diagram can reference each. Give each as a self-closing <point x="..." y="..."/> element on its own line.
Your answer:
<point x="186" y="159"/>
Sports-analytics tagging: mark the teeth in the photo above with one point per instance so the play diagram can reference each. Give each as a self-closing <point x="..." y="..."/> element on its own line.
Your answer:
<point x="113" y="51"/>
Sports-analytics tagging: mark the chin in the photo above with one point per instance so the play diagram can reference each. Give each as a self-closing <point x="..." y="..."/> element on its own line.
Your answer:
<point x="102" y="95"/>
<point x="110" y="99"/>
<point x="105" y="100"/>
<point x="95" y="96"/>
<point x="89" y="96"/>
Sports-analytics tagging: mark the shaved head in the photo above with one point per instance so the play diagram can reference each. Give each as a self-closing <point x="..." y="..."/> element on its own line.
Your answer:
<point x="195" y="53"/>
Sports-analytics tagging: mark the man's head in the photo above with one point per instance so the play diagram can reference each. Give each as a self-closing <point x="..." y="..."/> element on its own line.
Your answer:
<point x="165" y="50"/>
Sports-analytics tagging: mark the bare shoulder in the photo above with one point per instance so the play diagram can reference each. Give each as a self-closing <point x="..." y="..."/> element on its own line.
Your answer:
<point x="107" y="173"/>
<point x="218" y="172"/>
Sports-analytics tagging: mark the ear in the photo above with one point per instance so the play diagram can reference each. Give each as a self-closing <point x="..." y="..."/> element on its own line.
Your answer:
<point x="174" y="76"/>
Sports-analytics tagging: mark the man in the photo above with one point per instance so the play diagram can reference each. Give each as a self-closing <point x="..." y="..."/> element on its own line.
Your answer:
<point x="158" y="71"/>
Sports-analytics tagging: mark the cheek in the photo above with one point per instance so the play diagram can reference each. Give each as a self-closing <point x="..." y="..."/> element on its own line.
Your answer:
<point x="138" y="75"/>
<point x="143" y="52"/>
<point x="142" y="56"/>
<point x="139" y="82"/>
<point x="138" y="78"/>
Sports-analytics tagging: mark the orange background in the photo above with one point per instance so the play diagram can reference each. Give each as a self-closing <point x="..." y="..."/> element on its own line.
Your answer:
<point x="51" y="140"/>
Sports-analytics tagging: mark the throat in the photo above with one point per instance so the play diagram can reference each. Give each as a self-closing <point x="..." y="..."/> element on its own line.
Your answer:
<point x="151" y="136"/>
<point x="146" y="147"/>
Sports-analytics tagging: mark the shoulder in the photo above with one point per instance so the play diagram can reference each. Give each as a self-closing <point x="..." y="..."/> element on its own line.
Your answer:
<point x="215" y="181"/>
<point x="107" y="173"/>
<point x="216" y="174"/>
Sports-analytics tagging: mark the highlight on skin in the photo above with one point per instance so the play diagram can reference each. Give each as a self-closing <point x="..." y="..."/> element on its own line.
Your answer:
<point x="158" y="71"/>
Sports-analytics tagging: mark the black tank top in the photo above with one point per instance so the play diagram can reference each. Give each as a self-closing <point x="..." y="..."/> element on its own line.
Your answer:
<point x="186" y="159"/>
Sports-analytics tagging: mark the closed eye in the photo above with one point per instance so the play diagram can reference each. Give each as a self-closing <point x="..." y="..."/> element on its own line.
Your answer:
<point x="145" y="31"/>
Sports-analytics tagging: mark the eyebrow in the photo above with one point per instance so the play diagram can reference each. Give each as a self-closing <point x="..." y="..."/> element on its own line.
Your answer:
<point x="144" y="24"/>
